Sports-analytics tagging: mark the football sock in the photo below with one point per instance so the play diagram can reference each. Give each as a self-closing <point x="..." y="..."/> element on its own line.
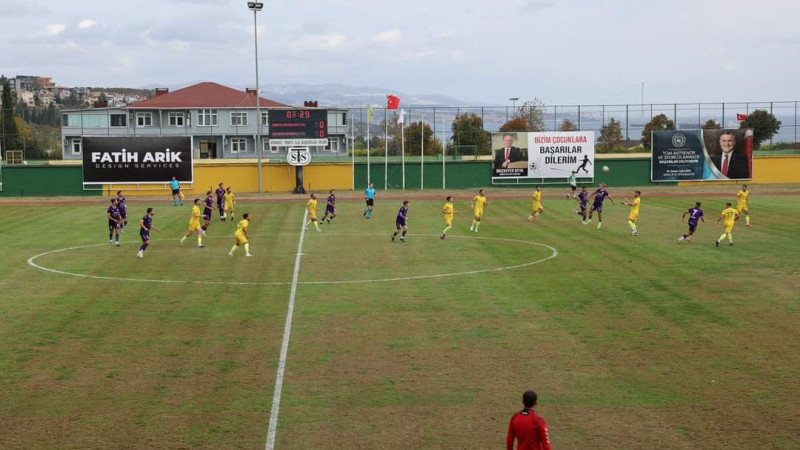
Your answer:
<point x="730" y="237"/>
<point x="477" y="224"/>
<point x="632" y="224"/>
<point x="446" y="229"/>
<point x="394" y="234"/>
<point x="316" y="225"/>
<point x="143" y="247"/>
<point x="722" y="236"/>
<point x="404" y="235"/>
<point x="116" y="237"/>
<point x="183" y="239"/>
<point x="199" y="240"/>
<point x="747" y="219"/>
<point x="247" y="248"/>
<point x="233" y="249"/>
<point x="110" y="236"/>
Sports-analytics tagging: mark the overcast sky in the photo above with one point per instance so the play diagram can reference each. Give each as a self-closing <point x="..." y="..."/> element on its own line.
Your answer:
<point x="561" y="51"/>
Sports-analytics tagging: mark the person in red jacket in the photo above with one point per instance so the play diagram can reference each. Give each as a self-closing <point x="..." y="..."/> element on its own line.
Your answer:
<point x="527" y="428"/>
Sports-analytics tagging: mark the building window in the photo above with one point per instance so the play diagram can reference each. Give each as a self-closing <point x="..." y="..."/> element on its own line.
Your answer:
<point x="238" y="145"/>
<point x="76" y="146"/>
<point x="119" y="120"/>
<point x="144" y="119"/>
<point x="264" y="118"/>
<point x="333" y="145"/>
<point x="273" y="148"/>
<point x="175" y="119"/>
<point x="265" y="147"/>
<point x="207" y="117"/>
<point x="238" y="119"/>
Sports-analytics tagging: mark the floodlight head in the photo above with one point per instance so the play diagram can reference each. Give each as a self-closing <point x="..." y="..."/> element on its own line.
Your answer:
<point x="255" y="6"/>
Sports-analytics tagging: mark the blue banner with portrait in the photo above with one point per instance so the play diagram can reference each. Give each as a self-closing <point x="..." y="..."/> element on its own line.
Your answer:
<point x="694" y="155"/>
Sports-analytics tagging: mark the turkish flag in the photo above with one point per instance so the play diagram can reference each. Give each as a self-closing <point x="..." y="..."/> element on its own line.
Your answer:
<point x="741" y="117"/>
<point x="392" y="101"/>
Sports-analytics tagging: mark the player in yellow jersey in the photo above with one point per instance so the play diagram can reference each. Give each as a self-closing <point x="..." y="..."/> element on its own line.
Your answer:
<point x="311" y="206"/>
<point x="230" y="202"/>
<point x="194" y="224"/>
<point x="477" y="205"/>
<point x="537" y="204"/>
<point x="741" y="204"/>
<point x="448" y="212"/>
<point x="634" y="215"/>
<point x="240" y="236"/>
<point x="730" y="215"/>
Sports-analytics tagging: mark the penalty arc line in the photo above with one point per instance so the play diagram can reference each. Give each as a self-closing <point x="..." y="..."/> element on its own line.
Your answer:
<point x="287" y="330"/>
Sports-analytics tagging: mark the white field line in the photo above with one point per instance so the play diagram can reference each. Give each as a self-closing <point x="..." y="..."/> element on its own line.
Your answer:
<point x="287" y="331"/>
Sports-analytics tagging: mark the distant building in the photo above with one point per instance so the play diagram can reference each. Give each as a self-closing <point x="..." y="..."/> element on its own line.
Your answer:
<point x="219" y="119"/>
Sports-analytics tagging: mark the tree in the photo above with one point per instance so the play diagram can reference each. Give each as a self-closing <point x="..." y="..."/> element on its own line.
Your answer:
<point x="659" y="122"/>
<point x="764" y="126"/>
<point x="468" y="130"/>
<point x="532" y="111"/>
<point x="567" y="125"/>
<point x="712" y="124"/>
<point x="10" y="135"/>
<point x="515" y="124"/>
<point x="610" y="136"/>
<point x="413" y="140"/>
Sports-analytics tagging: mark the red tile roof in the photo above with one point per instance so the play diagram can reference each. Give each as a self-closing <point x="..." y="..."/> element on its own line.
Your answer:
<point x="205" y="95"/>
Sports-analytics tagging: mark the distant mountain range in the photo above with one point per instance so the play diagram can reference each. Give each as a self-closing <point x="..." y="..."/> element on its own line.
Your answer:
<point x="340" y="95"/>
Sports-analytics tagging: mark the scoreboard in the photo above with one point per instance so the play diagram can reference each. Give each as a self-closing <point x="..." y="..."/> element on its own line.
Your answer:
<point x="298" y="123"/>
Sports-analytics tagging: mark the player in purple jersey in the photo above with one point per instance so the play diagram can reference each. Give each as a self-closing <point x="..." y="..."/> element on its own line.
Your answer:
<point x="582" y="199"/>
<point x="207" y="210"/>
<point x="145" y="225"/>
<point x="330" y="208"/>
<point x="695" y="214"/>
<point x="122" y="206"/>
<point x="221" y="202"/>
<point x="113" y="223"/>
<point x="401" y="222"/>
<point x="599" y="195"/>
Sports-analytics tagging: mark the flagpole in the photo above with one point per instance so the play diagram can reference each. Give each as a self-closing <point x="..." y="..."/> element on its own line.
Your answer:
<point x="422" y="152"/>
<point x="386" y="149"/>
<point x="352" y="149"/>
<point x="444" y="156"/>
<point x="369" y="119"/>
<point x="403" y="148"/>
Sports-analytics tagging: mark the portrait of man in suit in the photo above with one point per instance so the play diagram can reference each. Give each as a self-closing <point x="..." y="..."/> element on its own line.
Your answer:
<point x="731" y="159"/>
<point x="508" y="154"/>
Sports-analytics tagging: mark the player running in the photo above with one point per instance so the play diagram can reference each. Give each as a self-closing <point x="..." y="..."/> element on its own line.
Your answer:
<point x="448" y="212"/>
<point x="122" y="205"/>
<point x="599" y="195"/>
<point x="730" y="215"/>
<point x="311" y="206"/>
<point x="741" y="204"/>
<point x="208" y="209"/>
<point x="478" y="204"/>
<point x="401" y="222"/>
<point x="145" y="225"/>
<point x="537" y="204"/>
<point x="240" y="236"/>
<point x="695" y="214"/>
<point x="112" y="212"/>
<point x="194" y="224"/>
<point x="230" y="202"/>
<point x="634" y="215"/>
<point x="330" y="208"/>
<point x="176" y="192"/>
<point x="582" y="199"/>
<point x="369" y="196"/>
<point x="221" y="202"/>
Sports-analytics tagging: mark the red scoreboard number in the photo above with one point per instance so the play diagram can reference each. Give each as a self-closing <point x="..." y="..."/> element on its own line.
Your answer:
<point x="298" y="123"/>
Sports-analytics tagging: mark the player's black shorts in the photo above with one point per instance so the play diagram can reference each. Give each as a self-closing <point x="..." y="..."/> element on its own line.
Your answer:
<point x="583" y="208"/>
<point x="176" y="191"/>
<point x="123" y="214"/>
<point x="597" y="207"/>
<point x="330" y="210"/>
<point x="112" y="225"/>
<point x="692" y="227"/>
<point x="207" y="214"/>
<point x="370" y="201"/>
<point x="573" y="187"/>
<point x="400" y="223"/>
<point x="145" y="235"/>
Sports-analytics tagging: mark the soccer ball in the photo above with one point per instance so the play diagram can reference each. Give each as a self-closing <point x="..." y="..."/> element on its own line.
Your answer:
<point x="606" y="169"/>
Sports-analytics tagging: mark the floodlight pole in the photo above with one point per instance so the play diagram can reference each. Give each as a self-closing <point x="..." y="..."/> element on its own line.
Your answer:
<point x="256" y="7"/>
<point x="514" y="104"/>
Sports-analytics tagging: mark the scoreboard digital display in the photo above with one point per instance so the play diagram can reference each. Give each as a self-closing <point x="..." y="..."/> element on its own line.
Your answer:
<point x="298" y="123"/>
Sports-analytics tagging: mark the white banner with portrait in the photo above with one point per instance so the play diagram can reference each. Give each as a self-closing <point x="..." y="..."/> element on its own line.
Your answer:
<point x="543" y="155"/>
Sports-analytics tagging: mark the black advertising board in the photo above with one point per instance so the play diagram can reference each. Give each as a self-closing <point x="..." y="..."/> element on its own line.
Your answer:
<point x="298" y="123"/>
<point x="122" y="160"/>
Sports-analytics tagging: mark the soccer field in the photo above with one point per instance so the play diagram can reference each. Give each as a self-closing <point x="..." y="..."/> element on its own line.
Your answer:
<point x="630" y="342"/>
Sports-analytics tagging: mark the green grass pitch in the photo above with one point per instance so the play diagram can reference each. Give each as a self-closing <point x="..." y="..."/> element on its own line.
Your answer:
<point x="631" y="342"/>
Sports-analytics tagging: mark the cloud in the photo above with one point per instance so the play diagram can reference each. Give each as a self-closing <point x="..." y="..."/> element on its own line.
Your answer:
<point x="537" y="5"/>
<point x="53" y="30"/>
<point x="323" y="42"/>
<point x="388" y="37"/>
<point x="86" y="23"/>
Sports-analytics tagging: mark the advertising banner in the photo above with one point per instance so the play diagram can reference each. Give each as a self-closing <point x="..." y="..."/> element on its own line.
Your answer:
<point x="679" y="155"/>
<point x="542" y="155"/>
<point x="123" y="160"/>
